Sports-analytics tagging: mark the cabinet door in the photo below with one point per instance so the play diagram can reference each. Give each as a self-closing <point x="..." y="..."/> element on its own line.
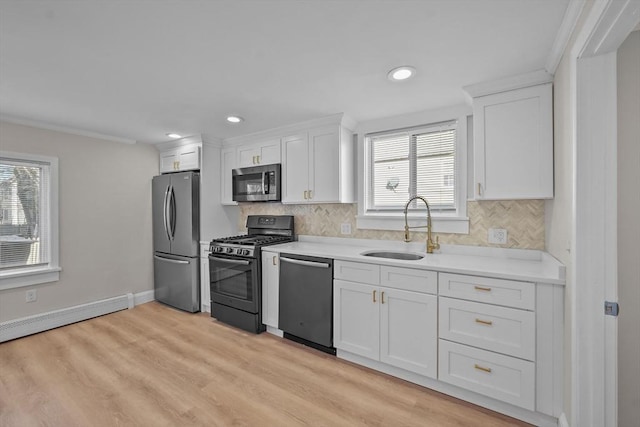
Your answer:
<point x="356" y="318"/>
<point x="270" y="288"/>
<point x="409" y="331"/>
<point x="189" y="158"/>
<point x="295" y="175"/>
<point x="513" y="144"/>
<point x="324" y="164"/>
<point x="228" y="163"/>
<point x="168" y="161"/>
<point x="248" y="156"/>
<point x="269" y="152"/>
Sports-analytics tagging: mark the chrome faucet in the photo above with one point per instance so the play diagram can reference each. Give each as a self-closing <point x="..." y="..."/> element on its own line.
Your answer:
<point x="430" y="244"/>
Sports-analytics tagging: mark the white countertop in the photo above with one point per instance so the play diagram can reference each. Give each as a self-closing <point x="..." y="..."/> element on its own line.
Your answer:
<point x="516" y="264"/>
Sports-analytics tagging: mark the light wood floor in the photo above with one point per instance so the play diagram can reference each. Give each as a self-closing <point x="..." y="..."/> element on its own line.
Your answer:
<point x="156" y="366"/>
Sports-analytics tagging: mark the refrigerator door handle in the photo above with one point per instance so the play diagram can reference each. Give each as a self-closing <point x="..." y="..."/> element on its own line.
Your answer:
<point x="172" y="214"/>
<point x="165" y="214"/>
<point x="175" y="261"/>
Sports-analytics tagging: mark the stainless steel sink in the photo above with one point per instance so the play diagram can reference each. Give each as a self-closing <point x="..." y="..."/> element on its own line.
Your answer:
<point x="408" y="256"/>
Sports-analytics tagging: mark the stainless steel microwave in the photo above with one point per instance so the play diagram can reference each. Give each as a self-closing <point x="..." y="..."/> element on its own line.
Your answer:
<point x="257" y="183"/>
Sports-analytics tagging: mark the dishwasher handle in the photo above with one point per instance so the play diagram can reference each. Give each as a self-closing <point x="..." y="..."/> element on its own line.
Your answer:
<point x="305" y="263"/>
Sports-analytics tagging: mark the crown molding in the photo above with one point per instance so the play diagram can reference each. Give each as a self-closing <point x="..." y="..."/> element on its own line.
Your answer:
<point x="568" y="25"/>
<point x="337" y="119"/>
<point x="613" y="22"/>
<point x="186" y="140"/>
<point x="65" y="129"/>
<point x="520" y="81"/>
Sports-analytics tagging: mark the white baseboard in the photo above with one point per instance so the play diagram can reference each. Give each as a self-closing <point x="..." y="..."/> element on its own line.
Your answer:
<point x="143" y="297"/>
<point x="562" y="421"/>
<point x="24" y="326"/>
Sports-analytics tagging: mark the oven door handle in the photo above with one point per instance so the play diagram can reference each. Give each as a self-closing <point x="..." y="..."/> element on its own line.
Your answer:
<point x="230" y="261"/>
<point x="305" y="263"/>
<point x="175" y="261"/>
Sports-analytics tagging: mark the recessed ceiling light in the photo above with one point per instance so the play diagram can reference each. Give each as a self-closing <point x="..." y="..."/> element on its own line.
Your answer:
<point x="401" y="73"/>
<point x="234" y="119"/>
<point x="174" y="135"/>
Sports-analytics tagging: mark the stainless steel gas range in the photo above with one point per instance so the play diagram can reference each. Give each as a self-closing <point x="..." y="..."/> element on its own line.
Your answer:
<point x="236" y="271"/>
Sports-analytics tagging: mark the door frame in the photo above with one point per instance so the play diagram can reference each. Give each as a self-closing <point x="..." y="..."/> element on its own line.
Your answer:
<point x="594" y="96"/>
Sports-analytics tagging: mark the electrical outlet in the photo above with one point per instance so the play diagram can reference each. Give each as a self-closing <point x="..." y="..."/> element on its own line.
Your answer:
<point x="497" y="236"/>
<point x="31" y="295"/>
<point x="345" y="228"/>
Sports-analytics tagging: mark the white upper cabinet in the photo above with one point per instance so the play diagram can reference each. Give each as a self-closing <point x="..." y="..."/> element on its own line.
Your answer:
<point x="318" y="166"/>
<point x="263" y="153"/>
<point x="513" y="144"/>
<point x="183" y="158"/>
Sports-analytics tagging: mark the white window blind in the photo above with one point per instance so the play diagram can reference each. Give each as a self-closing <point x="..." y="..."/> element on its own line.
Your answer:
<point x="24" y="213"/>
<point x="406" y="163"/>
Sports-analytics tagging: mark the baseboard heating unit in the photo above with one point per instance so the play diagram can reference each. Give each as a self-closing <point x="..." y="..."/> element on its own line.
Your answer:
<point x="18" y="328"/>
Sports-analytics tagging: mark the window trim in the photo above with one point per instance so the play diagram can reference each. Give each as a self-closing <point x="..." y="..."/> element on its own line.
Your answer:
<point x="443" y="222"/>
<point x="29" y="276"/>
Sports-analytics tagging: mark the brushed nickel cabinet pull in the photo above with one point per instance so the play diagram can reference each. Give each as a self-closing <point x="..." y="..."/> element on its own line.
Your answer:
<point x="482" y="288"/>
<point x="484" y="322"/>
<point x="374" y="296"/>
<point x="479" y="189"/>
<point x="310" y="194"/>
<point x="258" y="159"/>
<point x="382" y="297"/>
<point x="306" y="196"/>
<point x="273" y="260"/>
<point x="482" y="368"/>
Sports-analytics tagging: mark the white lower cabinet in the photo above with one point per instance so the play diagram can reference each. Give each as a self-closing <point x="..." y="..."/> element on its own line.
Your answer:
<point x="408" y="330"/>
<point x="487" y="337"/>
<point x="205" y="290"/>
<point x="270" y="288"/>
<point x="386" y="324"/>
<point x="505" y="378"/>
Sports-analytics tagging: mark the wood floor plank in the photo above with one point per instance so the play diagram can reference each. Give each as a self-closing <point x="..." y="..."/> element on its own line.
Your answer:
<point x="156" y="366"/>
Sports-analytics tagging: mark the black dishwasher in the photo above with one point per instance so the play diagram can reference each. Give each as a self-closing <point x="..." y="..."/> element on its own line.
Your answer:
<point x="306" y="300"/>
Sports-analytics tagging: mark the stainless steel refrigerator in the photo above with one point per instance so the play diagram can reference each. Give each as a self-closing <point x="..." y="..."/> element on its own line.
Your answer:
<point x="176" y="235"/>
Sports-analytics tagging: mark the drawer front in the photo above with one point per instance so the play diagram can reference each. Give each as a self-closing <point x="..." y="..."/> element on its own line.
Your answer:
<point x="503" y="330"/>
<point x="501" y="377"/>
<point x="509" y="293"/>
<point x="357" y="272"/>
<point x="409" y="279"/>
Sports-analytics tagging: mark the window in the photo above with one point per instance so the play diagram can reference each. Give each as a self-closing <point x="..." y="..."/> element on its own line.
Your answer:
<point x="413" y="162"/>
<point x="28" y="220"/>
<point x="428" y="160"/>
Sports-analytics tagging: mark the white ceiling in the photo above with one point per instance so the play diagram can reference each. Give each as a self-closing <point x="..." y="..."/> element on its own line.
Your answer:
<point x="139" y="69"/>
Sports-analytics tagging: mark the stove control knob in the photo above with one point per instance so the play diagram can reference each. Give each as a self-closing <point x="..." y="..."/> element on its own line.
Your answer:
<point x="229" y="250"/>
<point x="244" y="252"/>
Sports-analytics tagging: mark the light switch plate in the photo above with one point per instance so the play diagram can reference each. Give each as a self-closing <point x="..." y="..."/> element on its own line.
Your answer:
<point x="497" y="236"/>
<point x="345" y="228"/>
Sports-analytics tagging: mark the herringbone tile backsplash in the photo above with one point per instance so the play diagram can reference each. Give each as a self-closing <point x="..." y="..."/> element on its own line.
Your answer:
<point x="523" y="220"/>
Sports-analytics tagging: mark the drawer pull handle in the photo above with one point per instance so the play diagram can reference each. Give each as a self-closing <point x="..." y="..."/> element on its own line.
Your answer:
<point x="482" y="368"/>
<point x="482" y="288"/>
<point x="484" y="322"/>
<point x="382" y="297"/>
<point x="374" y="296"/>
<point x="273" y="260"/>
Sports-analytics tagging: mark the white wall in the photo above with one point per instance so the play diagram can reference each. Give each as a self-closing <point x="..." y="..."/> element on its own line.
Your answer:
<point x="105" y="219"/>
<point x="629" y="230"/>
